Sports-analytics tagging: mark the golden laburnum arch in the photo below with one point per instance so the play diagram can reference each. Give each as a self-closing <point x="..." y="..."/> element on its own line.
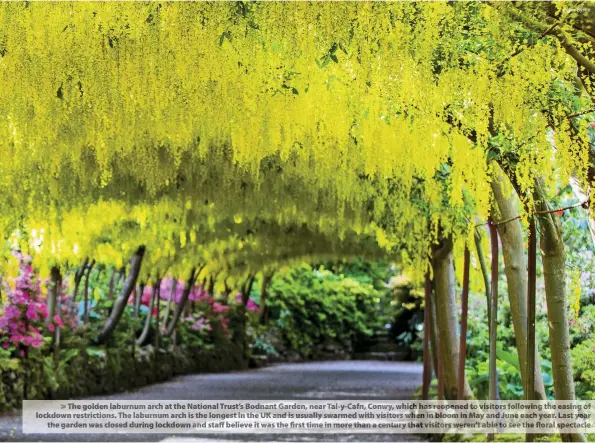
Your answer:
<point x="345" y="117"/>
<point x="233" y="138"/>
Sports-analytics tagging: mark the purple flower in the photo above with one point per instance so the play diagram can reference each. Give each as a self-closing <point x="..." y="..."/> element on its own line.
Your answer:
<point x="251" y="306"/>
<point x="58" y="321"/>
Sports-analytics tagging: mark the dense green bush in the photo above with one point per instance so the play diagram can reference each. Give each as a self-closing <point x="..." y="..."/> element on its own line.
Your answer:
<point x="315" y="310"/>
<point x="106" y="370"/>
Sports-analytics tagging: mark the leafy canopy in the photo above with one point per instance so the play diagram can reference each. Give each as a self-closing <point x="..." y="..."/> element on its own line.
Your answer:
<point x="364" y="124"/>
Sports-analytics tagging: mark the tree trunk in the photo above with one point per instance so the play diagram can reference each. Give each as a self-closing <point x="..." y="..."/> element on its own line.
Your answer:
<point x="484" y="269"/>
<point x="264" y="293"/>
<point x="77" y="280"/>
<point x="54" y="306"/>
<point x="138" y="295"/>
<point x="427" y="359"/>
<point x="246" y="290"/>
<point x="515" y="268"/>
<point x="112" y="282"/>
<point x="86" y="294"/>
<point x="529" y="387"/>
<point x="211" y="287"/>
<point x="53" y="294"/>
<point x="157" y="330"/>
<point x="554" y="272"/>
<point x="120" y="303"/>
<point x="57" y="333"/>
<point x="493" y="318"/>
<point x="488" y="286"/>
<point x="433" y="331"/>
<point x="447" y="323"/>
<point x="174" y="286"/>
<point x="140" y="341"/>
<point x="180" y="306"/>
<point x="463" y="337"/>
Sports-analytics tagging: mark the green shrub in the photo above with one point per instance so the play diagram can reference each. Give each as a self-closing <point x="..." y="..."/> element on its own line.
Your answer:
<point x="314" y="309"/>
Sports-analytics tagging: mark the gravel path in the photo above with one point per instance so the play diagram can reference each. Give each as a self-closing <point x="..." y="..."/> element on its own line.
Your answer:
<point x="340" y="380"/>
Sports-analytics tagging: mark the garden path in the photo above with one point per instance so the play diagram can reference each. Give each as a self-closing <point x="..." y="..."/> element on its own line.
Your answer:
<point x="336" y="380"/>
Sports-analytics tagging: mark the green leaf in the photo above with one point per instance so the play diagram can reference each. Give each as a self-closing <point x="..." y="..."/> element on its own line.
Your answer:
<point x="96" y="351"/>
<point x="508" y="357"/>
<point x="493" y="155"/>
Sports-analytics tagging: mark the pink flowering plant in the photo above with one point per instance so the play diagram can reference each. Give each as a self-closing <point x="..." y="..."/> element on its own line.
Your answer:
<point x="250" y="305"/>
<point x="23" y="313"/>
<point x="66" y="315"/>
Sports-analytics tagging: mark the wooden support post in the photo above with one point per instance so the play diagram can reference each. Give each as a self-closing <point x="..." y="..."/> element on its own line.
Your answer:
<point x="463" y="338"/>
<point x="427" y="374"/>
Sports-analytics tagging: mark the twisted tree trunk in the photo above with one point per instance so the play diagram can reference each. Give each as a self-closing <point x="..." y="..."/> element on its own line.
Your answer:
<point x="77" y="280"/>
<point x="120" y="303"/>
<point x="140" y="341"/>
<point x="180" y="306"/>
<point x="174" y="286"/>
